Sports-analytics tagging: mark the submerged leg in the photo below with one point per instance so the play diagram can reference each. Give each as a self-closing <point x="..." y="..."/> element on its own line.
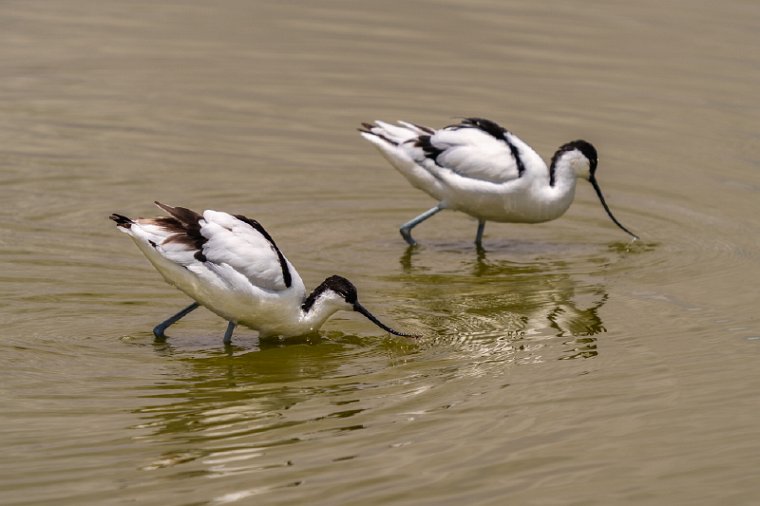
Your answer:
<point x="406" y="228"/>
<point x="159" y="329"/>
<point x="479" y="236"/>
<point x="228" y="333"/>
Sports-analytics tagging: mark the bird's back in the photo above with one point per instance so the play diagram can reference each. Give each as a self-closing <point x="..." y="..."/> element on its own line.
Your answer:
<point x="227" y="263"/>
<point x="475" y="149"/>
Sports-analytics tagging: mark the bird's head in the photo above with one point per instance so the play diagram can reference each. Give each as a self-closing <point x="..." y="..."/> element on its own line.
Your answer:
<point x="338" y="293"/>
<point x="581" y="156"/>
<point x="583" y="159"/>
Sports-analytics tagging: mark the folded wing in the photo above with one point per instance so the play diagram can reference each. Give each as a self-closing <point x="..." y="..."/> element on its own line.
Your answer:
<point x="222" y="249"/>
<point x="243" y="245"/>
<point x="476" y="148"/>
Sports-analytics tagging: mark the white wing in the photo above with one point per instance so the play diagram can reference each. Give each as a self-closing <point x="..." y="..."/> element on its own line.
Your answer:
<point x="475" y="149"/>
<point x="223" y="250"/>
<point x="165" y="235"/>
<point x="241" y="244"/>
<point x="474" y="154"/>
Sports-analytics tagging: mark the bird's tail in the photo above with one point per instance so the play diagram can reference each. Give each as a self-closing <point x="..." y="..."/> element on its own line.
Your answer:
<point x="394" y="134"/>
<point x="122" y="221"/>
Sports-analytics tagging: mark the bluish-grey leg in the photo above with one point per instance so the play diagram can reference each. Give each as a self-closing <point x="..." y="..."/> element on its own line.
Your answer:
<point x="479" y="236"/>
<point x="228" y="333"/>
<point x="406" y="228"/>
<point x="159" y="329"/>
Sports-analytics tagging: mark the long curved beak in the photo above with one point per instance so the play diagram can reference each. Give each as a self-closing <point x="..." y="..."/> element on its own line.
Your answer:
<point x="362" y="310"/>
<point x="594" y="183"/>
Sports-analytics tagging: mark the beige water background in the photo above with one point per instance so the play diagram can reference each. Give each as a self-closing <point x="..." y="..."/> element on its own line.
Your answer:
<point x="562" y="366"/>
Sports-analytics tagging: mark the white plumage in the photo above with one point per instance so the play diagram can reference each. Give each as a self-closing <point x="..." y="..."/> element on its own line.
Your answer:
<point x="482" y="169"/>
<point x="232" y="266"/>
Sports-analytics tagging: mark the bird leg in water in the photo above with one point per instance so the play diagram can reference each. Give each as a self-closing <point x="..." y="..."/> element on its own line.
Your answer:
<point x="479" y="235"/>
<point x="406" y="228"/>
<point x="228" y="333"/>
<point x="159" y="329"/>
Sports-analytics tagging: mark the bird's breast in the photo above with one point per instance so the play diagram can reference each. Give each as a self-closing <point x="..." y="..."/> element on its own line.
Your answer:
<point x="524" y="202"/>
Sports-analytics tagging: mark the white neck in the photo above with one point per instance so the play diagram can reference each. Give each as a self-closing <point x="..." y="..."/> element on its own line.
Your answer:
<point x="557" y="191"/>
<point x="319" y="312"/>
<point x="567" y="169"/>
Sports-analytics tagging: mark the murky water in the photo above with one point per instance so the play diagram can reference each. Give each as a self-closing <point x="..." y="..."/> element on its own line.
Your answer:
<point x="563" y="365"/>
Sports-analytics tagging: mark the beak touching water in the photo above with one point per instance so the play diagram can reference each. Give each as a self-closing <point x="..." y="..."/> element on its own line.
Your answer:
<point x="362" y="310"/>
<point x="595" y="184"/>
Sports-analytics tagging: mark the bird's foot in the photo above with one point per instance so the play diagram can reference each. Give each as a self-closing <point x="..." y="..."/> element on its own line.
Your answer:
<point x="158" y="332"/>
<point x="406" y="233"/>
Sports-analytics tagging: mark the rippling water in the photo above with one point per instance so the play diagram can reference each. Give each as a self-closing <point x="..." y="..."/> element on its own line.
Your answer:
<point x="562" y="365"/>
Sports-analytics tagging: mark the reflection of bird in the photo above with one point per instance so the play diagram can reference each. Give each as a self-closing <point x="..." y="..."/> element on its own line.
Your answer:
<point x="484" y="170"/>
<point x="548" y="306"/>
<point x="232" y="266"/>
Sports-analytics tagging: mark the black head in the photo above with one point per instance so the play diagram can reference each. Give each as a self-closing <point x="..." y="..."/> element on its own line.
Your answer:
<point x="342" y="287"/>
<point x="589" y="152"/>
<point x="586" y="149"/>
<point x="337" y="284"/>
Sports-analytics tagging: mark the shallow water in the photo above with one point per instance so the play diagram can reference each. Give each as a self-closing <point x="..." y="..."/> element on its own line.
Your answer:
<point x="563" y="365"/>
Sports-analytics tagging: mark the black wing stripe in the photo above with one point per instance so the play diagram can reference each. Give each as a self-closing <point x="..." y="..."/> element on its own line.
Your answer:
<point x="286" y="276"/>
<point x="497" y="132"/>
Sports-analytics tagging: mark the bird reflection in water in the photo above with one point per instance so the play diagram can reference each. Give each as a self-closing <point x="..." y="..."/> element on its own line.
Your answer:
<point x="521" y="309"/>
<point x="225" y="412"/>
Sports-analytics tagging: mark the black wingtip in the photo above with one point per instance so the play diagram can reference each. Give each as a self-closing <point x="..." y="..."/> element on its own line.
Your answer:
<point x="164" y="207"/>
<point x="424" y="128"/>
<point x="366" y="128"/>
<point x="121" y="220"/>
<point x="183" y="214"/>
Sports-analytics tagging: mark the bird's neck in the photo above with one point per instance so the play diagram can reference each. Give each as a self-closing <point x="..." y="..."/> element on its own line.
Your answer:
<point x="317" y="315"/>
<point x="318" y="307"/>
<point x="562" y="171"/>
<point x="557" y="189"/>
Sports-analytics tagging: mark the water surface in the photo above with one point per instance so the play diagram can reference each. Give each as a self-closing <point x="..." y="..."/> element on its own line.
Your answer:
<point x="562" y="365"/>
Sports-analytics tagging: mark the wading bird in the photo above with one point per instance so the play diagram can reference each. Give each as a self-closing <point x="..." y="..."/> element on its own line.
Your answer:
<point x="232" y="266"/>
<point x="486" y="171"/>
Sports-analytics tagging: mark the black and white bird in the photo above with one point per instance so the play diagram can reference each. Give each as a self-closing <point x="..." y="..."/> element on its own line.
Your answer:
<point x="486" y="171"/>
<point x="232" y="266"/>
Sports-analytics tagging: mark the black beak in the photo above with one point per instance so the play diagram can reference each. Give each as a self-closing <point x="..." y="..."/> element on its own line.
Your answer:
<point x="593" y="182"/>
<point x="361" y="309"/>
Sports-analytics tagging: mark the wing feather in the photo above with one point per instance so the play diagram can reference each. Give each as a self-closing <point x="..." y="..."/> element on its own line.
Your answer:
<point x="475" y="154"/>
<point x="476" y="148"/>
<point x="225" y="250"/>
<point x="243" y="245"/>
